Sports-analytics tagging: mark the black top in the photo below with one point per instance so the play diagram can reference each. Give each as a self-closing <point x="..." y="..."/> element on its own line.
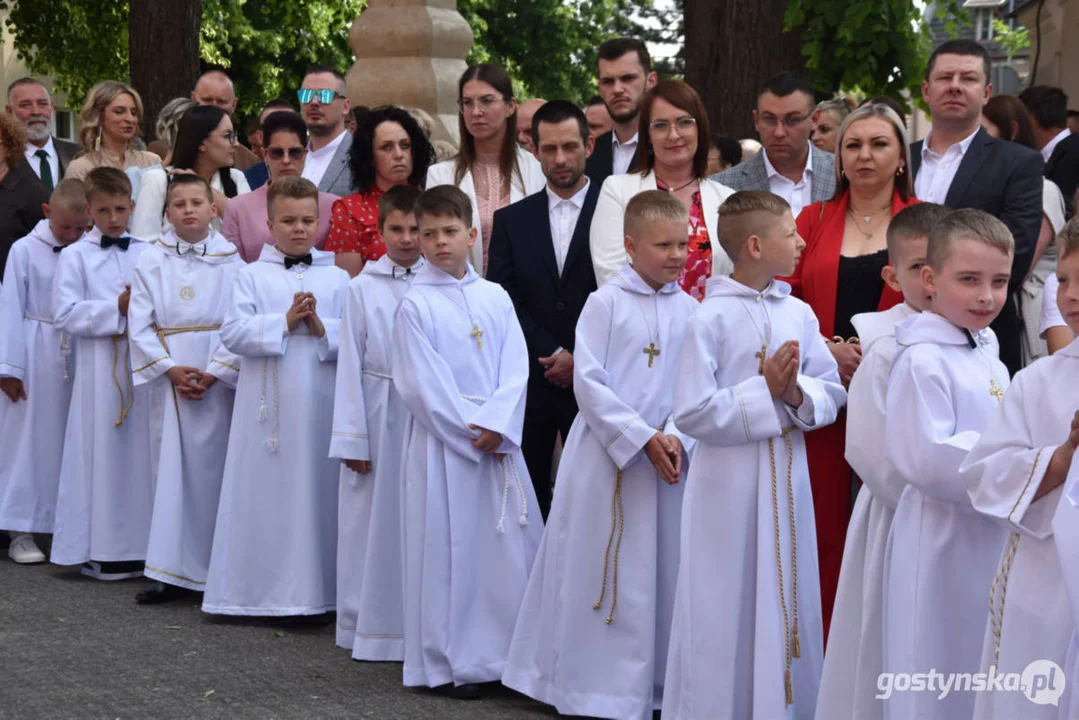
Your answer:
<point x="600" y="164"/>
<point x="859" y="289"/>
<point x="21" y="198"/>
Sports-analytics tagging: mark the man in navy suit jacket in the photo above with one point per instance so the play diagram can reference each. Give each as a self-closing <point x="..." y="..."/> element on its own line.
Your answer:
<point x="960" y="165"/>
<point x="539" y="254"/>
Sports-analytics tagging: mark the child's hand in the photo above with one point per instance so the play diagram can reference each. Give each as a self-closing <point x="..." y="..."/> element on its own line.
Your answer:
<point x="13" y="388"/>
<point x="299" y="311"/>
<point x="359" y="466"/>
<point x="848" y="357"/>
<point x="314" y="323"/>
<point x="488" y="441"/>
<point x="660" y="452"/>
<point x="185" y="379"/>
<point x="206" y="380"/>
<point x="124" y="300"/>
<point x="792" y="394"/>
<point x="1059" y="465"/>
<point x="779" y="368"/>
<point x="675" y="446"/>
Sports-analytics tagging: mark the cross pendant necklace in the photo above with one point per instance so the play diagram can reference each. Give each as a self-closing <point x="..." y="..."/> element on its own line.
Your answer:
<point x="652" y="351"/>
<point x="766" y="339"/>
<point x="995" y="390"/>
<point x="761" y="356"/>
<point x="477" y="334"/>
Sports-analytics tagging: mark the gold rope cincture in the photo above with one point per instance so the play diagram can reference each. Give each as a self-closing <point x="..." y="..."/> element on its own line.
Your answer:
<point x="65" y="344"/>
<point x="271" y="441"/>
<point x="509" y="467"/>
<point x="164" y="332"/>
<point x="791" y="644"/>
<point x="125" y="406"/>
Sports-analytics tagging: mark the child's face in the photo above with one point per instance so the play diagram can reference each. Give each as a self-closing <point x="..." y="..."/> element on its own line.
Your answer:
<point x="190" y="212"/>
<point x="1068" y="294"/>
<point x="659" y="254"/>
<point x="971" y="286"/>
<point x="110" y="212"/>
<point x="781" y="246"/>
<point x="66" y="223"/>
<point x="401" y="234"/>
<point x="446" y="241"/>
<point x="906" y="275"/>
<point x="293" y="224"/>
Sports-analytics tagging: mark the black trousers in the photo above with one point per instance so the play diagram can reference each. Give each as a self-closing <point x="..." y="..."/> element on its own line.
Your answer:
<point x="542" y="425"/>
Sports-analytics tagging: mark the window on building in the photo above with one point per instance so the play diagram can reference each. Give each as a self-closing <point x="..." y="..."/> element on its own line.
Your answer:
<point x="983" y="24"/>
<point x="65" y="125"/>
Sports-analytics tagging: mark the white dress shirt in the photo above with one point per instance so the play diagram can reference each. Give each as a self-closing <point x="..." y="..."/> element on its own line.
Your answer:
<point x="319" y="160"/>
<point x="1047" y="151"/>
<point x="938" y="170"/>
<point x="797" y="194"/>
<point x="35" y="161"/>
<point x="563" y="214"/>
<point x="623" y="153"/>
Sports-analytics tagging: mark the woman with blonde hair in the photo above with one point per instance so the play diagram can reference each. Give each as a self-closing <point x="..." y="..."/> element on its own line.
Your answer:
<point x="166" y="126"/>
<point x="110" y="125"/>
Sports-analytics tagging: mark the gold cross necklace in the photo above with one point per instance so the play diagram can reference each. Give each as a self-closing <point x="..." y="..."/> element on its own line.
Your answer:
<point x="766" y="339"/>
<point x="652" y="351"/>
<point x="476" y="333"/>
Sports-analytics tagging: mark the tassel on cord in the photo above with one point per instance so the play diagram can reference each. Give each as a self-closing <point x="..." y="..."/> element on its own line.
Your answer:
<point x="501" y="526"/>
<point x="65" y="353"/>
<point x="272" y="441"/>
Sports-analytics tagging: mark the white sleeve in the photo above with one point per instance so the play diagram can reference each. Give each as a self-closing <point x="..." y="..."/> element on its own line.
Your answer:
<point x="606" y="239"/>
<point x="12" y="308"/>
<point x="866" y="413"/>
<point x="1051" y="315"/>
<point x="349" y="438"/>
<point x="149" y="358"/>
<point x="74" y="313"/>
<point x="245" y="331"/>
<point x="149" y="216"/>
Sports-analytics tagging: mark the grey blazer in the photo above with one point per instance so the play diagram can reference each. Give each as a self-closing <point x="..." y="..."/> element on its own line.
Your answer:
<point x="337" y="180"/>
<point x="752" y="175"/>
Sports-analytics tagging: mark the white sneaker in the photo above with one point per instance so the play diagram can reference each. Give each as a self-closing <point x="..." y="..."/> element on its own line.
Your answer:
<point x="24" y="550"/>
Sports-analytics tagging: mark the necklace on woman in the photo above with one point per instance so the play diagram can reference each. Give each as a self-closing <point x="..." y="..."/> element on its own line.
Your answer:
<point x="867" y="217"/>
<point x="680" y="187"/>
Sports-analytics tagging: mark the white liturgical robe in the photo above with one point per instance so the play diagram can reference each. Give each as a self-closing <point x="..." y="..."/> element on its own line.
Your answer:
<point x="369" y="424"/>
<point x="471" y="521"/>
<point x="942" y="553"/>
<point x="746" y="639"/>
<point x="563" y="651"/>
<point x="1066" y="534"/>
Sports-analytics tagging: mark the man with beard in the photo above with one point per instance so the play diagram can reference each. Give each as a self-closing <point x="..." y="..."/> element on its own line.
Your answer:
<point x="625" y="75"/>
<point x="325" y="108"/>
<point x="539" y="254"/>
<point x="29" y="102"/>
<point x="215" y="88"/>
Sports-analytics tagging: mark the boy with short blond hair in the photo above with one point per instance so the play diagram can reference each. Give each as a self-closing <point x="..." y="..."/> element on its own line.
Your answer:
<point x="275" y="538"/>
<point x="754" y="374"/>
<point x="35" y="374"/>
<point x="945" y="385"/>
<point x="855" y="645"/>
<point x="460" y="364"/>
<point x="368" y="427"/>
<point x="105" y="494"/>
<point x="591" y="637"/>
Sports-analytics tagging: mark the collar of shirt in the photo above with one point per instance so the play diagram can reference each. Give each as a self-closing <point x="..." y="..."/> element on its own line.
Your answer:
<point x="47" y="147"/>
<point x="807" y="173"/>
<point x="632" y="141"/>
<point x="1047" y="151"/>
<point x="963" y="145"/>
<point x="553" y="200"/>
<point x="329" y="149"/>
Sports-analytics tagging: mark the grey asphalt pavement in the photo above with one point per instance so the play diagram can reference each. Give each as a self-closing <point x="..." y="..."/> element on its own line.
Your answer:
<point x="71" y="647"/>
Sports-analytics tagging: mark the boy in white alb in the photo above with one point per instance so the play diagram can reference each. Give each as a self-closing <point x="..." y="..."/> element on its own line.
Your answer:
<point x="368" y="428"/>
<point x="591" y="636"/>
<point x="275" y="540"/>
<point x="35" y="374"/>
<point x="945" y="385"/>
<point x="855" y="656"/>
<point x="179" y="297"/>
<point x="755" y="373"/>
<point x="471" y="520"/>
<point x="1013" y="475"/>
<point x="106" y="489"/>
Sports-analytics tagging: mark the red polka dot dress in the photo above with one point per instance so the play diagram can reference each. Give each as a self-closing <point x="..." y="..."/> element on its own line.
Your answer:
<point x="354" y="225"/>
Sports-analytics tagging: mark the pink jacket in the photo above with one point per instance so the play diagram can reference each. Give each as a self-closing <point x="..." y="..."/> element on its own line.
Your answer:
<point x="245" y="222"/>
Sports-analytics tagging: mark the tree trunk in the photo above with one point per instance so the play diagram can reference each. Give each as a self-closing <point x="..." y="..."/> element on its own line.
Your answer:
<point x="163" y="43"/>
<point x="732" y="47"/>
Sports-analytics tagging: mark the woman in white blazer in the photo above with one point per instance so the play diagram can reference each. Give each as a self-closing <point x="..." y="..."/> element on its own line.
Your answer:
<point x="205" y="145"/>
<point x="490" y="168"/>
<point x="672" y="155"/>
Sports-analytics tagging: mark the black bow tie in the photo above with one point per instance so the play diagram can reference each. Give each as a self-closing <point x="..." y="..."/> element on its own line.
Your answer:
<point x="120" y="242"/>
<point x="970" y="339"/>
<point x="405" y="272"/>
<point x="58" y="248"/>
<point x="290" y="261"/>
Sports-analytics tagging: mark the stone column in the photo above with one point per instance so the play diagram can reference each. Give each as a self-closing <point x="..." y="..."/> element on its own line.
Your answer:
<point x="411" y="53"/>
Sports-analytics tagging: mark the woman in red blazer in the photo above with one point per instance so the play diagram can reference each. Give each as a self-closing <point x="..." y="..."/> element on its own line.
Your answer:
<point x="839" y="276"/>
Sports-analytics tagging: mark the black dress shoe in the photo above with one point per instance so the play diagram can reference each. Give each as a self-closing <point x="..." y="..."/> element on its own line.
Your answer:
<point x="161" y="592"/>
<point x="468" y="691"/>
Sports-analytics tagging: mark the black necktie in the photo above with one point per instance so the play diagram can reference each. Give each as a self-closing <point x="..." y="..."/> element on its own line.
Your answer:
<point x="405" y="272"/>
<point x="290" y="261"/>
<point x="120" y="242"/>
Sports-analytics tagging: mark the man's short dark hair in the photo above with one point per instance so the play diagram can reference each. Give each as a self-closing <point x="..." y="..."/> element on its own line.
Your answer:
<point x="444" y="201"/>
<point x="617" y="47"/>
<point x="284" y="121"/>
<point x="557" y="111"/>
<point x="1048" y="106"/>
<point x="784" y="83"/>
<point x="730" y="150"/>
<point x="1073" y="113"/>
<point x="597" y="100"/>
<point x="401" y="198"/>
<point x="319" y="69"/>
<point x="970" y="48"/>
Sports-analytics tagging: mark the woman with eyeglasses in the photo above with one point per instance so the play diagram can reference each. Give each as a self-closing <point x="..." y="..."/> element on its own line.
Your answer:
<point x="490" y="167"/>
<point x="672" y="156"/>
<point x="284" y="138"/>
<point x="388" y="148"/>
<point x="206" y="146"/>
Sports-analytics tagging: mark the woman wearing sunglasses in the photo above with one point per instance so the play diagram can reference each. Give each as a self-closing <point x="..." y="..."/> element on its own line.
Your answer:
<point x="389" y="148"/>
<point x="284" y="138"/>
<point x="206" y="146"/>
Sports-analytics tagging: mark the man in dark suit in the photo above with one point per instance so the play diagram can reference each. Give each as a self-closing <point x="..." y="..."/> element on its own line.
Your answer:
<point x="539" y="254"/>
<point x="1048" y="108"/>
<point x="29" y="102"/>
<point x="960" y="165"/>
<point x="625" y="75"/>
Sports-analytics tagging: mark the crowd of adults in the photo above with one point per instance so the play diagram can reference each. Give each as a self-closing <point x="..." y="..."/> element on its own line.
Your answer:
<point x="549" y="182"/>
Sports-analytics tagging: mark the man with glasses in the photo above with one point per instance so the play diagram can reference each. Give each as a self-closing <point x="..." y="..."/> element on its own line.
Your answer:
<point x="787" y="165"/>
<point x="215" y="88"/>
<point x="29" y="102"/>
<point x="325" y="109"/>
